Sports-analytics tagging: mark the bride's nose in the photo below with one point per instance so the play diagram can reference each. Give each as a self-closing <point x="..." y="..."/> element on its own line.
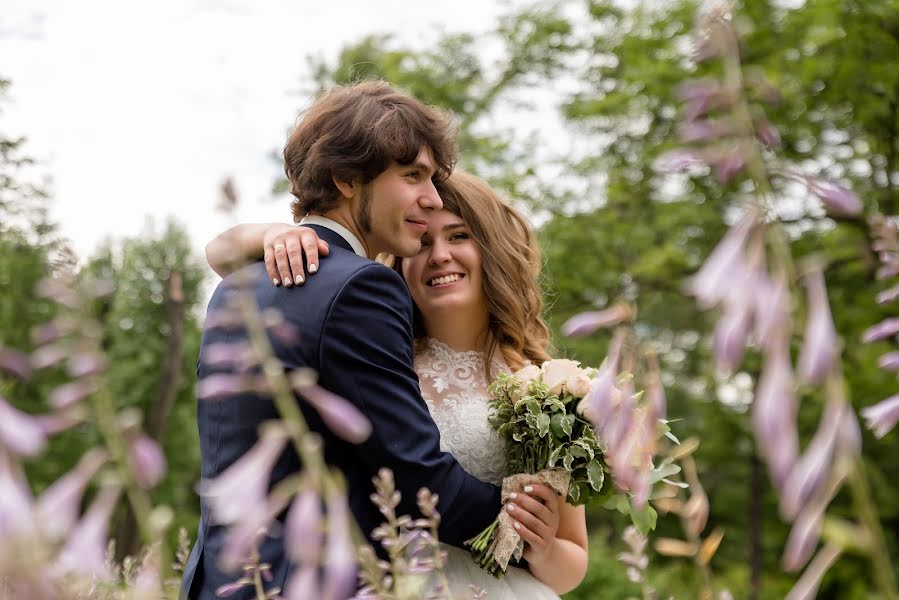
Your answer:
<point x="439" y="253"/>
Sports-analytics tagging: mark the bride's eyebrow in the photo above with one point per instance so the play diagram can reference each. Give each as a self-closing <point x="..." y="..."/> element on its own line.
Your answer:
<point x="454" y="226"/>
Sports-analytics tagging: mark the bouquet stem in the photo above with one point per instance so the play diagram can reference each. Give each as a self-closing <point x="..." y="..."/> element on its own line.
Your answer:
<point x="482" y="550"/>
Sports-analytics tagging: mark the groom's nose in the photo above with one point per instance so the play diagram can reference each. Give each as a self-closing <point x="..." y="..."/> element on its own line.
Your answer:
<point x="430" y="198"/>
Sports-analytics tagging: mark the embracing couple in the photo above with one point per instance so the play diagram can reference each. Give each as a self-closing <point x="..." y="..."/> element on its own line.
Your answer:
<point x="413" y="340"/>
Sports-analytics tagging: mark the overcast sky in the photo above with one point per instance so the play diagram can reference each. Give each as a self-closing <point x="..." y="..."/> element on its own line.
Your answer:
<point x="139" y="110"/>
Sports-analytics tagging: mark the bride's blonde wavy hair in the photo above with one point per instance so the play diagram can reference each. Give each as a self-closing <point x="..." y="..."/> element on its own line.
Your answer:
<point x="510" y="261"/>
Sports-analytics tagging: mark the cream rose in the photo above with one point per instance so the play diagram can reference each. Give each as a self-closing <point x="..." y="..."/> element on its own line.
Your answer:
<point x="527" y="373"/>
<point x="557" y="371"/>
<point x="578" y="385"/>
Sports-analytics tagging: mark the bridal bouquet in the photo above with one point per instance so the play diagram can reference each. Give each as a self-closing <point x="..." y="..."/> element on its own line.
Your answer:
<point x="535" y="413"/>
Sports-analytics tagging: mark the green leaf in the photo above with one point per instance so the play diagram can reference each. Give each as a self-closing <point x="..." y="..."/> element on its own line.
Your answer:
<point x="543" y="424"/>
<point x="554" y="456"/>
<point x="644" y="519"/>
<point x="663" y="471"/>
<point x="595" y="474"/>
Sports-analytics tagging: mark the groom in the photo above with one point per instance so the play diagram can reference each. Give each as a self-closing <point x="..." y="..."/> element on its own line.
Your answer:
<point x="361" y="164"/>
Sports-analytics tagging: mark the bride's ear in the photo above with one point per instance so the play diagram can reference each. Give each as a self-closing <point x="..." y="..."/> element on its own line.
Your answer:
<point x="346" y="189"/>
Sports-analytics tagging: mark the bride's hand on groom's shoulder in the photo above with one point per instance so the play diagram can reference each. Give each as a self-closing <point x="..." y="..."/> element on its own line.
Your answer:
<point x="536" y="514"/>
<point x="284" y="246"/>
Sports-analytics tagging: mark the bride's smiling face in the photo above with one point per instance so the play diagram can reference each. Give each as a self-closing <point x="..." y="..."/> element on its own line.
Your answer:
<point x="446" y="274"/>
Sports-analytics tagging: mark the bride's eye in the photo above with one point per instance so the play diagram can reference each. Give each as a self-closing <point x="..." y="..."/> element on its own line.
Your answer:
<point x="459" y="236"/>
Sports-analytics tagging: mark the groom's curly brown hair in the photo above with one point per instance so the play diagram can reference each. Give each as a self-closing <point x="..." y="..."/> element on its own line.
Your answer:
<point x="353" y="133"/>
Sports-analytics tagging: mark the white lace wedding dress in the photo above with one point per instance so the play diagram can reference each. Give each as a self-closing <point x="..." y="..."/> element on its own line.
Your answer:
<point x="454" y="385"/>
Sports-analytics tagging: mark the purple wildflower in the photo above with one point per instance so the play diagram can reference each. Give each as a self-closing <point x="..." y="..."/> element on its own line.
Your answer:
<point x="710" y="284"/>
<point x="49" y="356"/>
<point x="772" y="311"/>
<point x="882" y="417"/>
<point x="70" y="394"/>
<point x="675" y="161"/>
<point x="339" y="414"/>
<point x="586" y="323"/>
<point x="222" y="385"/>
<point x="728" y="165"/>
<point x="597" y="404"/>
<point x="303" y="583"/>
<point x="147" y="460"/>
<point x="16" y="515"/>
<point x="699" y="97"/>
<point x="819" y="347"/>
<point x="235" y="355"/>
<point x="699" y="131"/>
<point x="340" y="561"/>
<point x="887" y="270"/>
<point x="837" y="199"/>
<point x="244" y="483"/>
<point x="303" y="528"/>
<point x="243" y="536"/>
<point x="774" y="413"/>
<point x="14" y="363"/>
<point x="86" y="363"/>
<point x="813" y="467"/>
<point x="85" y="549"/>
<point x="731" y="334"/>
<point x="884" y="329"/>
<point x="58" y="506"/>
<point x="889" y="361"/>
<point x="767" y="134"/>
<point x="804" y="536"/>
<point x="888" y="295"/>
<point x="20" y="432"/>
<point x="807" y="586"/>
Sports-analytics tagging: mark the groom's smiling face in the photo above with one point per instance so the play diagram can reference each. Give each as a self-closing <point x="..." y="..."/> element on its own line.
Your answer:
<point x="393" y="209"/>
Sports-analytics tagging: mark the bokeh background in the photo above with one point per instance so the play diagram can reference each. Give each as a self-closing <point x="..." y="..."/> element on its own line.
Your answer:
<point x="120" y="121"/>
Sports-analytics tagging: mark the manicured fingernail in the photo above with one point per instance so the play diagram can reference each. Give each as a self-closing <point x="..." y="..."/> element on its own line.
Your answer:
<point x="512" y="496"/>
<point x="510" y="507"/>
<point x="275" y="281"/>
<point x="516" y="525"/>
<point x="313" y="268"/>
<point x="299" y="279"/>
<point x="528" y="489"/>
<point x="287" y="282"/>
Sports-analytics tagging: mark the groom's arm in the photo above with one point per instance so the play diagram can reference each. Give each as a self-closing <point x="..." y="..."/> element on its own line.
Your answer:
<point x="367" y="341"/>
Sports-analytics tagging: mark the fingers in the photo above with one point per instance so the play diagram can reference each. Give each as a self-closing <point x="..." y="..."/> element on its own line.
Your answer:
<point x="521" y="509"/>
<point x="271" y="266"/>
<point x="535" y="507"/>
<point x="309" y="244"/>
<point x="542" y="492"/>
<point x="282" y="263"/>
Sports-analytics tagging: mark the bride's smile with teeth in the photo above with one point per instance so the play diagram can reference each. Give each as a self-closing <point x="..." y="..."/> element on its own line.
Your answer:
<point x="445" y="279"/>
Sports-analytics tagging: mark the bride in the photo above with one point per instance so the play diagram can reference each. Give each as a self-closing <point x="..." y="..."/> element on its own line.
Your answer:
<point x="478" y="312"/>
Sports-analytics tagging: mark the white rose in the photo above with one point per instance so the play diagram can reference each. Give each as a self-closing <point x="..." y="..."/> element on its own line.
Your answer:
<point x="526" y="374"/>
<point x="557" y="371"/>
<point x="579" y="385"/>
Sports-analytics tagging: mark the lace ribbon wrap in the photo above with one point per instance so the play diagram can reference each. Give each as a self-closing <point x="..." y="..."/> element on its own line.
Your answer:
<point x="508" y="544"/>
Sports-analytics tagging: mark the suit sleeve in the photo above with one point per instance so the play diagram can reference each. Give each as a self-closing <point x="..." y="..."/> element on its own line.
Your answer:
<point x="367" y="347"/>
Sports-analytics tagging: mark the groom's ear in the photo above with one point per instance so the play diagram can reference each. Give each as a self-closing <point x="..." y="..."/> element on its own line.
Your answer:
<point x="347" y="189"/>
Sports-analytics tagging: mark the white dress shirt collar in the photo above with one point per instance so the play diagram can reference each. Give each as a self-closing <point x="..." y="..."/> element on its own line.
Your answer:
<point x="337" y="228"/>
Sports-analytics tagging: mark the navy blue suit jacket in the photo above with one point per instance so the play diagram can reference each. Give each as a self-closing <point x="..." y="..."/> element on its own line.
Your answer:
<point x="355" y="318"/>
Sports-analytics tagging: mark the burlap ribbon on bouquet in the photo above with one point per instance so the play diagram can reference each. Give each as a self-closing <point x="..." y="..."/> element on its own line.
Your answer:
<point x="508" y="544"/>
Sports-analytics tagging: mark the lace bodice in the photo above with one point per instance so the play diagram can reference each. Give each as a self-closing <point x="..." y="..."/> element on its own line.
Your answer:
<point x="454" y="385"/>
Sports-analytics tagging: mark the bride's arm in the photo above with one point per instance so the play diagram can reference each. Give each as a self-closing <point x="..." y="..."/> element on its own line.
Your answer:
<point x="281" y="245"/>
<point x="556" y="536"/>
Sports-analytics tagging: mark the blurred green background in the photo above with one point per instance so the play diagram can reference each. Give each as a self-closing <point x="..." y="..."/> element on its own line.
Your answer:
<point x="610" y="228"/>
